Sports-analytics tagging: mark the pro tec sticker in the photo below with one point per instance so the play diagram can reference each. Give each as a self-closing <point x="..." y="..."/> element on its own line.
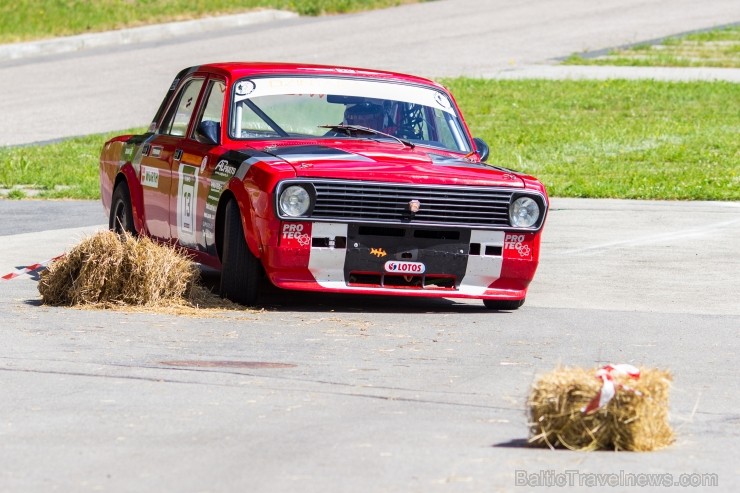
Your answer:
<point x="296" y="235"/>
<point x="518" y="246"/>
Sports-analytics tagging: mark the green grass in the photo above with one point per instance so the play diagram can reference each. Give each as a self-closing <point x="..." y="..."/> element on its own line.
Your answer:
<point x="716" y="48"/>
<point x="67" y="169"/>
<point x="620" y="139"/>
<point x="24" y="20"/>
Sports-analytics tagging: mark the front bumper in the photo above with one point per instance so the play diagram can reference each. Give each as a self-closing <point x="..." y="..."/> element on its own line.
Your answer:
<point x="402" y="260"/>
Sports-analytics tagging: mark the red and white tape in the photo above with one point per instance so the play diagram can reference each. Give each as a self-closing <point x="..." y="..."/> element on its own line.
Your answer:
<point x="29" y="268"/>
<point x="608" y="389"/>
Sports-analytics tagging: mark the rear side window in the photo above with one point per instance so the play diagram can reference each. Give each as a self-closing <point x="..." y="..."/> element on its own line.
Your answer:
<point x="178" y="117"/>
<point x="214" y="102"/>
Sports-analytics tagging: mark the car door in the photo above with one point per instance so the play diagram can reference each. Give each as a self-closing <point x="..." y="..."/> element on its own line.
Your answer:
<point x="192" y="203"/>
<point x="160" y="157"/>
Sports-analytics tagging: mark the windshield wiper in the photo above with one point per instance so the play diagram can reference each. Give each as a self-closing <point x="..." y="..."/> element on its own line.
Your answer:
<point x="348" y="129"/>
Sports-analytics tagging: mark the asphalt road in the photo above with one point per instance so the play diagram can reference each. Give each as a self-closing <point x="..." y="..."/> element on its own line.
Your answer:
<point x="330" y="393"/>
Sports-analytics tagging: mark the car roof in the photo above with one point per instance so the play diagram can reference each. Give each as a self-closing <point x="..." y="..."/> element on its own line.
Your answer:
<point x="238" y="70"/>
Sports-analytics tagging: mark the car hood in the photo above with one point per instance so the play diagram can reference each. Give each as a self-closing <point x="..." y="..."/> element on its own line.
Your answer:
<point x="392" y="162"/>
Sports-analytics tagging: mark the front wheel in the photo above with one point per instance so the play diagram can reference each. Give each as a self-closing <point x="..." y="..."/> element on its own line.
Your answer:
<point x="503" y="304"/>
<point x="121" y="214"/>
<point x="240" y="270"/>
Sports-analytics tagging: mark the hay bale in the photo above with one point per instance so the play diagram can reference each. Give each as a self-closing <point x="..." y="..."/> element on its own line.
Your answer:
<point x="108" y="269"/>
<point x="636" y="418"/>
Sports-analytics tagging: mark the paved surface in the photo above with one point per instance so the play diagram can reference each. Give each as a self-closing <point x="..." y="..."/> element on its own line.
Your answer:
<point x="31" y="216"/>
<point x="362" y="394"/>
<point x="374" y="394"/>
<point x="559" y="72"/>
<point x="108" y="89"/>
<point x="137" y="35"/>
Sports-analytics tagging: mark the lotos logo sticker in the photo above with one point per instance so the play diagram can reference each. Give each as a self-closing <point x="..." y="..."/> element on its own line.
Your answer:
<point x="296" y="234"/>
<point x="403" y="267"/>
<point x="518" y="246"/>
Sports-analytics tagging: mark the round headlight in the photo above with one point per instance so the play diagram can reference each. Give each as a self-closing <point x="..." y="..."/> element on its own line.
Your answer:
<point x="524" y="212"/>
<point x="294" y="201"/>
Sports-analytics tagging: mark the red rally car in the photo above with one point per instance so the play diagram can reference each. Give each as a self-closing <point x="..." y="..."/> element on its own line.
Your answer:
<point x="326" y="179"/>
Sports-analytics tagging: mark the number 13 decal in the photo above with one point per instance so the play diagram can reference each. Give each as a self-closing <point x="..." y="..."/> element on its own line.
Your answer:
<point x="186" y="205"/>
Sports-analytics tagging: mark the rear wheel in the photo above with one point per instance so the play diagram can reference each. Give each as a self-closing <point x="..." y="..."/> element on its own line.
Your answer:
<point x="240" y="270"/>
<point x="121" y="214"/>
<point x="503" y="304"/>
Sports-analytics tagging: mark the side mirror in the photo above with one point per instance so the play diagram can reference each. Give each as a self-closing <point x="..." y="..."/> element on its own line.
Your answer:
<point x="481" y="148"/>
<point x="208" y="132"/>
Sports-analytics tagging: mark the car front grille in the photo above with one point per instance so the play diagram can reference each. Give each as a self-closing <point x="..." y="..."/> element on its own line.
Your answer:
<point x="390" y="203"/>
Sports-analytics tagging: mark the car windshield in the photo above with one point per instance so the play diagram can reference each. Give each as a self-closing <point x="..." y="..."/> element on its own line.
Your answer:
<point x="316" y="107"/>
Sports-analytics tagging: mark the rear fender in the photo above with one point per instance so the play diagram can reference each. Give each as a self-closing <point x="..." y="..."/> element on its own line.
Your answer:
<point x="128" y="174"/>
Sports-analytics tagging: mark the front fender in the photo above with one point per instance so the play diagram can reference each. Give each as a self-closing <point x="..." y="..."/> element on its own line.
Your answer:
<point x="235" y="190"/>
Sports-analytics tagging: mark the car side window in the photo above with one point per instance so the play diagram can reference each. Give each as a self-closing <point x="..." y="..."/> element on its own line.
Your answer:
<point x="447" y="130"/>
<point x="178" y="117"/>
<point x="214" y="104"/>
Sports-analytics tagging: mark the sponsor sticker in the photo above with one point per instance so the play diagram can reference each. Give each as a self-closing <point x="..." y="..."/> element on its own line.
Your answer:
<point x="156" y="151"/>
<point x="378" y="252"/>
<point x="442" y="100"/>
<point x="518" y="246"/>
<point x="295" y="235"/>
<point x="150" y="176"/>
<point x="225" y="168"/>
<point x="404" y="267"/>
<point x="187" y="194"/>
<point x="244" y="87"/>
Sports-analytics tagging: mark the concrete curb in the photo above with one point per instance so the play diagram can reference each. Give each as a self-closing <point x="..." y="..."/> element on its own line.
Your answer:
<point x="597" y="72"/>
<point x="157" y="32"/>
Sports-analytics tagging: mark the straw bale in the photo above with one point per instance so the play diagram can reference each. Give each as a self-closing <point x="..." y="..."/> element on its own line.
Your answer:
<point x="635" y="419"/>
<point x="108" y="269"/>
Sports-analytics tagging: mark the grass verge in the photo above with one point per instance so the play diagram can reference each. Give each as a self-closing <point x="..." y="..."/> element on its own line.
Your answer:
<point x="65" y="169"/>
<point x="617" y="139"/>
<point x="716" y="48"/>
<point x="620" y="139"/>
<point x="26" y="20"/>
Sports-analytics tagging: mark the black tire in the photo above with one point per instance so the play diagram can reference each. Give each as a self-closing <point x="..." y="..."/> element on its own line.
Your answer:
<point x="240" y="270"/>
<point x="121" y="214"/>
<point x="503" y="304"/>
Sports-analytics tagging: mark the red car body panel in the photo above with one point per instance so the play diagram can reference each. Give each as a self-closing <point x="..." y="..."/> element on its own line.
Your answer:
<point x="179" y="186"/>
